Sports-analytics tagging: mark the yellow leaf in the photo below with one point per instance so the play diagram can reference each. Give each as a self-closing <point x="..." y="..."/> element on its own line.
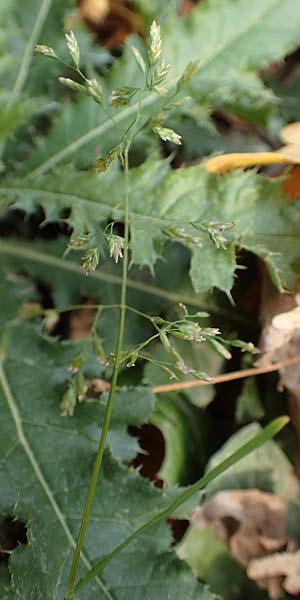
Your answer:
<point x="288" y="154"/>
<point x="291" y="151"/>
<point x="228" y="162"/>
<point x="290" y="134"/>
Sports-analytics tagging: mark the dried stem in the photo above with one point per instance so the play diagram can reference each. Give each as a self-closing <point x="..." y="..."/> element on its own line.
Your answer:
<point x="182" y="385"/>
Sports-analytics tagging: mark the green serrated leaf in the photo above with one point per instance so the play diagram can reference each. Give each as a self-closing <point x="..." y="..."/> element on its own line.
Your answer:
<point x="14" y="113"/>
<point x="211" y="562"/>
<point x="45" y="465"/>
<point x="212" y="475"/>
<point x="15" y="291"/>
<point x="267" y="468"/>
<point x="24" y="24"/>
<point x="159" y="199"/>
<point x="236" y="41"/>
<point x="184" y="428"/>
<point x="249" y="404"/>
<point x="43" y="260"/>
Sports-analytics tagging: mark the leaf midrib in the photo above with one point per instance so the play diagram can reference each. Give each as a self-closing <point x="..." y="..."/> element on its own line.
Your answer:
<point x="73" y="199"/>
<point x="27" y="55"/>
<point x="23" y="252"/>
<point x="107" y="125"/>
<point x="38" y="472"/>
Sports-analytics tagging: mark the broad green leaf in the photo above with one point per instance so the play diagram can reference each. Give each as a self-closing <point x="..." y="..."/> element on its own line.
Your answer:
<point x="44" y="471"/>
<point x="242" y="452"/>
<point x="19" y="27"/>
<point x="15" y="290"/>
<point x="5" y="588"/>
<point x="203" y="139"/>
<point x="188" y="439"/>
<point x="133" y="406"/>
<point x="68" y="283"/>
<point x="22" y="25"/>
<point x="231" y="34"/>
<point x="167" y="204"/>
<point x="249" y="406"/>
<point x="72" y="121"/>
<point x="152" y="9"/>
<point x="267" y="468"/>
<point x="82" y="117"/>
<point x="237" y="40"/>
<point x="211" y="562"/>
<point x="288" y="96"/>
<point x="14" y="113"/>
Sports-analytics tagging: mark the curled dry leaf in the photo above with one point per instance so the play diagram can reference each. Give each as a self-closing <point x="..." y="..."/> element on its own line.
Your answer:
<point x="280" y="317"/>
<point x="280" y="339"/>
<point x="253" y="524"/>
<point x="98" y="385"/>
<point x="290" y="134"/>
<point x="94" y="11"/>
<point x="280" y="565"/>
<point x="111" y="20"/>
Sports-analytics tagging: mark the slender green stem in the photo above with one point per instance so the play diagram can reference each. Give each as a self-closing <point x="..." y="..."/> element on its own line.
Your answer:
<point x="98" y="307"/>
<point x="258" y="440"/>
<point x="108" y="412"/>
<point x="96" y="319"/>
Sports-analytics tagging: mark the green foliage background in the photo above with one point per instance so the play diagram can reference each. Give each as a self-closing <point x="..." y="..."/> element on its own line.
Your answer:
<point x="49" y="141"/>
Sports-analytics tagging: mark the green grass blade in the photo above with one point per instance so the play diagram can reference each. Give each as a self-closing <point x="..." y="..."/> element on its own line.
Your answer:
<point x="258" y="440"/>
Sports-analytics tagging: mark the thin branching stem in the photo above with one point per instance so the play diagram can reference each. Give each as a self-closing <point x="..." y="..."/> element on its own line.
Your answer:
<point x="242" y="374"/>
<point x="108" y="412"/>
<point x="98" y="307"/>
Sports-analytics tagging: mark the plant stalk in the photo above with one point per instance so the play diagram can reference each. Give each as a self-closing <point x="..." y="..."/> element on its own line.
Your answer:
<point x="108" y="412"/>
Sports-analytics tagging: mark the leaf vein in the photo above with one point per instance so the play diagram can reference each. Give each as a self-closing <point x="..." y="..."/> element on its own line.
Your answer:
<point x="38" y="473"/>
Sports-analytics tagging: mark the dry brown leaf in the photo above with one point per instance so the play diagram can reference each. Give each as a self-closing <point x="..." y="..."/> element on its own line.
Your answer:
<point x="185" y="7"/>
<point x="280" y="340"/>
<point x="80" y="322"/>
<point x="292" y="183"/>
<point x="284" y="565"/>
<point x="98" y="385"/>
<point x="290" y="134"/>
<point x="252" y="523"/>
<point x="94" y="11"/>
<point x="111" y="20"/>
